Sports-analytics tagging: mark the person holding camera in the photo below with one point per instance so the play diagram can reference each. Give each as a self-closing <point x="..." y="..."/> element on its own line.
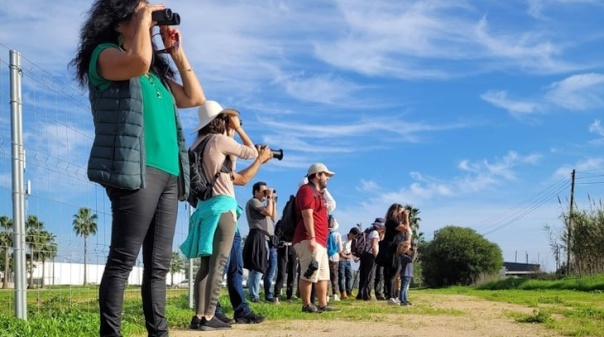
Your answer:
<point x="310" y="238"/>
<point x="260" y="248"/>
<point x="139" y="153"/>
<point x="213" y="226"/>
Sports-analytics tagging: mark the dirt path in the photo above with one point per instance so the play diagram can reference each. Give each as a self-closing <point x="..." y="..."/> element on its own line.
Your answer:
<point x="431" y="316"/>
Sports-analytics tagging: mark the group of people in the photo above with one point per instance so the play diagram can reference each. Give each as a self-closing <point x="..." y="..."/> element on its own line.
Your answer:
<point x="139" y="155"/>
<point x="388" y="256"/>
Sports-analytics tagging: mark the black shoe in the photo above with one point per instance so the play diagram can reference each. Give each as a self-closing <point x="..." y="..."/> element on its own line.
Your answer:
<point x="195" y="323"/>
<point x="224" y="318"/>
<point x="213" y="324"/>
<point x="310" y="308"/>
<point x="327" y="308"/>
<point x="380" y="298"/>
<point x="250" y="318"/>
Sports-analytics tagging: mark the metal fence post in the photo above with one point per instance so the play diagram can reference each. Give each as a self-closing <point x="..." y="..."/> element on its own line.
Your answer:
<point x="18" y="166"/>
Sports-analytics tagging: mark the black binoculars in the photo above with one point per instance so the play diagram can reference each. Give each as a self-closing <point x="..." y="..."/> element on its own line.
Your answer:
<point x="277" y="154"/>
<point x="165" y="17"/>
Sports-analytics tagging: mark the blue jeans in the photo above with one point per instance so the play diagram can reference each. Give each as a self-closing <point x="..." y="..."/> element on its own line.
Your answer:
<point x="234" y="271"/>
<point x="253" y="284"/>
<point x="269" y="276"/>
<point x="404" y="296"/>
<point x="345" y="274"/>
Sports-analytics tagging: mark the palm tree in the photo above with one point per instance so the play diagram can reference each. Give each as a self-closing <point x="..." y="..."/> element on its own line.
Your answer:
<point x="414" y="220"/>
<point x="48" y="250"/>
<point x="33" y="239"/>
<point x="84" y="224"/>
<point x="6" y="242"/>
<point x="177" y="264"/>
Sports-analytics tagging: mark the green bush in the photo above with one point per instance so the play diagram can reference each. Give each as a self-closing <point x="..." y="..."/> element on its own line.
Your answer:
<point x="458" y="256"/>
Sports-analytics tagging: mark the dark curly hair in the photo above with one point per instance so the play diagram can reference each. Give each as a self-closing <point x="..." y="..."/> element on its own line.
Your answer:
<point x="99" y="28"/>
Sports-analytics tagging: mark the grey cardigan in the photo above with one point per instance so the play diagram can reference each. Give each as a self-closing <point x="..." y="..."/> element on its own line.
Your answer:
<point x="117" y="157"/>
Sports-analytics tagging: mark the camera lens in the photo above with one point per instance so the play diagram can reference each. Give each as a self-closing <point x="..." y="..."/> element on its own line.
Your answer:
<point x="277" y="154"/>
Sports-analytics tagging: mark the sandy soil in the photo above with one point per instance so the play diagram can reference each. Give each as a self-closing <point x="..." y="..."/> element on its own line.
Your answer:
<point x="431" y="315"/>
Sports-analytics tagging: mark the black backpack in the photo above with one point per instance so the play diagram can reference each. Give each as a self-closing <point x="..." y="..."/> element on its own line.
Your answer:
<point x="286" y="227"/>
<point x="201" y="186"/>
<point x="289" y="219"/>
<point x="359" y="243"/>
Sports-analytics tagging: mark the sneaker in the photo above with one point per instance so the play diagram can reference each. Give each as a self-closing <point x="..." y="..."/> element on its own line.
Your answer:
<point x="195" y="323"/>
<point x="213" y="324"/>
<point x="273" y="300"/>
<point x="336" y="298"/>
<point x="224" y="318"/>
<point x="393" y="301"/>
<point x="403" y="304"/>
<point x="250" y="318"/>
<point x="327" y="308"/>
<point x="310" y="308"/>
<point x="343" y="295"/>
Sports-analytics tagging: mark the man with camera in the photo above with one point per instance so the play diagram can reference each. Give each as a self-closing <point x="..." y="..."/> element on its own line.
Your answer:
<point x="260" y="249"/>
<point x="310" y="238"/>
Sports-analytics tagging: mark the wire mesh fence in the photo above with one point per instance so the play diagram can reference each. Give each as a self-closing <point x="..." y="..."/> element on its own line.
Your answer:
<point x="57" y="135"/>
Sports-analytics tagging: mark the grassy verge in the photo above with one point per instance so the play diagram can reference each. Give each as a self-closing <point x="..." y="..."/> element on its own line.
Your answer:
<point x="573" y="307"/>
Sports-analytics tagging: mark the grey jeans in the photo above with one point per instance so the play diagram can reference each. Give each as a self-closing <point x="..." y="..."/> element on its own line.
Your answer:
<point x="141" y="218"/>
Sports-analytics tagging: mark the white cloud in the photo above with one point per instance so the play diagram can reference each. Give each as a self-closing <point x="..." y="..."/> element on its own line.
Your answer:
<point x="587" y="164"/>
<point x="474" y="177"/>
<point x="596" y="128"/>
<point x="500" y="99"/>
<point x="325" y="89"/>
<point x="578" y="92"/>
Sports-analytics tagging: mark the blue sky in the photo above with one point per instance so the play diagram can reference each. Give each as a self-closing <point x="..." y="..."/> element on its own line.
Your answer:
<point x="475" y="112"/>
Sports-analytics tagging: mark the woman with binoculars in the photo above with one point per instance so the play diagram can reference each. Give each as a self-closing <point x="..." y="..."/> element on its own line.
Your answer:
<point x="139" y="153"/>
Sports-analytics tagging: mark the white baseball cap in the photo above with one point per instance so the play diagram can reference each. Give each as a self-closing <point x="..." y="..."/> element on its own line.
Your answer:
<point x="318" y="168"/>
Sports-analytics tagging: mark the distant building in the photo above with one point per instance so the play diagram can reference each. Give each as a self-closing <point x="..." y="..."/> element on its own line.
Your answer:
<point x="519" y="269"/>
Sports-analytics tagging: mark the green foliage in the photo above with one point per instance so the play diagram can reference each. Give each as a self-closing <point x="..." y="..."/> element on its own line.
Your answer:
<point x="587" y="284"/>
<point x="538" y="316"/>
<point x="458" y="256"/>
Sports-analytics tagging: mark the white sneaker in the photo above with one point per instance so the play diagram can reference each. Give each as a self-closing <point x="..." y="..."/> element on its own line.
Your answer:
<point x="336" y="298"/>
<point x="393" y="301"/>
<point x="327" y="299"/>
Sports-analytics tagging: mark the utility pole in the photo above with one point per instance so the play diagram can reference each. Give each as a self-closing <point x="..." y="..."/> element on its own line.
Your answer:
<point x="570" y="221"/>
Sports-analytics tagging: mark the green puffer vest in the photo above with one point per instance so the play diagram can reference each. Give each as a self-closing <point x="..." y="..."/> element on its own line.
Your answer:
<point x="117" y="157"/>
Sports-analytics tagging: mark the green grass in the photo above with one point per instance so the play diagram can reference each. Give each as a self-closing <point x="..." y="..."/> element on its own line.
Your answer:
<point x="572" y="307"/>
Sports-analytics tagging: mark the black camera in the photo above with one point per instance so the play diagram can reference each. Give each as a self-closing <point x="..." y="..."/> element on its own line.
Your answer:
<point x="266" y="191"/>
<point x="277" y="154"/>
<point x="165" y="17"/>
<point x="312" y="268"/>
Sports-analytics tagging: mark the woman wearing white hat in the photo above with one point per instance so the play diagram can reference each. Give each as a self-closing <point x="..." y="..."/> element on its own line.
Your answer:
<point x="212" y="226"/>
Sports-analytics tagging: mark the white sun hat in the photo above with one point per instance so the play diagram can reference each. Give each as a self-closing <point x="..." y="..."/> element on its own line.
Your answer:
<point x="208" y="111"/>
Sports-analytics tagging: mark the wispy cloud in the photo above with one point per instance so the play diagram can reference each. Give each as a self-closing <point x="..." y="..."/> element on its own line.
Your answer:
<point x="578" y="92"/>
<point x="587" y="164"/>
<point x="473" y="177"/>
<point x="516" y="107"/>
<point x="537" y="7"/>
<point x="596" y="128"/>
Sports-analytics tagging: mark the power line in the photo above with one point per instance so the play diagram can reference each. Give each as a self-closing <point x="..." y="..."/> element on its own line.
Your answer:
<point x="525" y="207"/>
